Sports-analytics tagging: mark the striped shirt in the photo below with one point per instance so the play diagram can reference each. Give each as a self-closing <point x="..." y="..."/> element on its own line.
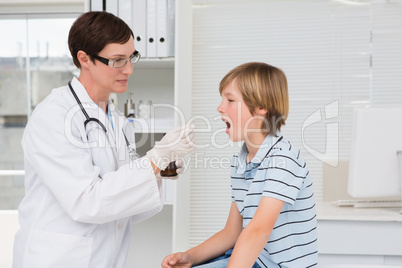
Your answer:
<point x="278" y="171"/>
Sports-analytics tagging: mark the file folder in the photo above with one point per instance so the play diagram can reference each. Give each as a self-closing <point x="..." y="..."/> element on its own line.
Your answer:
<point x="151" y="29"/>
<point x="161" y="28"/>
<point x="140" y="26"/>
<point x="125" y="11"/>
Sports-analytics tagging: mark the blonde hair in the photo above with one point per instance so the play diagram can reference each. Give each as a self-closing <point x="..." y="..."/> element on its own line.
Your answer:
<point x="262" y="86"/>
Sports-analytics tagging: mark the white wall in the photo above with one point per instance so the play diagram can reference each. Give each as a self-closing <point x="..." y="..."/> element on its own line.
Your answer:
<point x="9" y="225"/>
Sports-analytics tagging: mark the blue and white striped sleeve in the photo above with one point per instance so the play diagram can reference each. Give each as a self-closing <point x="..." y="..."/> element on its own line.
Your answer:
<point x="283" y="176"/>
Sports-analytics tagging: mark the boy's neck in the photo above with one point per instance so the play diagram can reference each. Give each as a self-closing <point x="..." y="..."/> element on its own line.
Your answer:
<point x="253" y="144"/>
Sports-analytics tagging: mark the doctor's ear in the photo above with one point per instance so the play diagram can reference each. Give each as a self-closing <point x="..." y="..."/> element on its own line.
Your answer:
<point x="83" y="58"/>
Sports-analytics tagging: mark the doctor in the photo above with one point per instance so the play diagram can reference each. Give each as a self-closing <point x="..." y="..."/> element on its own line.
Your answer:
<point x="84" y="184"/>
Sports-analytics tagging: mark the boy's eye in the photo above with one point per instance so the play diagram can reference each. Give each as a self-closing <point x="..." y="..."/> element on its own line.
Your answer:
<point x="230" y="100"/>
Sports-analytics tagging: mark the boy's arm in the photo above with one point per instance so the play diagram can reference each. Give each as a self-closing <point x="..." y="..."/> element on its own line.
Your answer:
<point x="222" y="241"/>
<point x="255" y="236"/>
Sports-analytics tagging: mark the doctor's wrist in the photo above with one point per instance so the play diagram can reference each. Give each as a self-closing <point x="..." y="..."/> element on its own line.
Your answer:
<point x="155" y="167"/>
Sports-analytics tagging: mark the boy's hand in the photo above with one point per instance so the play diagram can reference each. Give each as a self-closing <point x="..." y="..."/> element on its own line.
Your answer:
<point x="177" y="260"/>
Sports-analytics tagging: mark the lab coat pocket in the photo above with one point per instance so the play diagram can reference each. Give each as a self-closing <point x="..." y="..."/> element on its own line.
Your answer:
<point x="46" y="249"/>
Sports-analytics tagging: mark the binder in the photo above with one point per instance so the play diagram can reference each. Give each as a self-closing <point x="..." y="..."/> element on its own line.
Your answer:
<point x="170" y="31"/>
<point x="125" y="12"/>
<point x="161" y="28"/>
<point x="140" y="26"/>
<point x="111" y="7"/>
<point x="151" y="29"/>
<point x="165" y="27"/>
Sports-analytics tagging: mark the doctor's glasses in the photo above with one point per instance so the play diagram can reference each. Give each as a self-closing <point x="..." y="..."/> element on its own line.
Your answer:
<point x="119" y="63"/>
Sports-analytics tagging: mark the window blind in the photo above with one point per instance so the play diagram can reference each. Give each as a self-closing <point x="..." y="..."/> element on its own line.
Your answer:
<point x="387" y="54"/>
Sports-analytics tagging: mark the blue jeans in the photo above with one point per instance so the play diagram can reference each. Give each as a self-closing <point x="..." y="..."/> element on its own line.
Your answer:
<point x="221" y="262"/>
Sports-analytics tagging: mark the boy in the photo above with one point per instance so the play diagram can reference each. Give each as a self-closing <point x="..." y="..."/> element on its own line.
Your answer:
<point x="272" y="219"/>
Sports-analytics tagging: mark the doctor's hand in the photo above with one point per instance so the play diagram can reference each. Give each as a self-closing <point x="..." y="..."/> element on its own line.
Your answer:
<point x="179" y="170"/>
<point x="177" y="260"/>
<point x="176" y="143"/>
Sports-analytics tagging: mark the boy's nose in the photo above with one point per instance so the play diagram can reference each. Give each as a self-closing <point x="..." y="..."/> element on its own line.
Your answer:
<point x="219" y="109"/>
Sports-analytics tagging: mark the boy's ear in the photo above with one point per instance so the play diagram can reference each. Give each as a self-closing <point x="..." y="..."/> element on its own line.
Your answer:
<point x="83" y="58"/>
<point x="261" y="111"/>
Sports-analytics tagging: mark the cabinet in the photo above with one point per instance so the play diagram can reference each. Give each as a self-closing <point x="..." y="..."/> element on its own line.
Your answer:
<point x="153" y="80"/>
<point x="362" y="236"/>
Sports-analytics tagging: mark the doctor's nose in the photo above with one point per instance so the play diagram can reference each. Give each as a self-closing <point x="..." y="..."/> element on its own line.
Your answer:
<point x="128" y="68"/>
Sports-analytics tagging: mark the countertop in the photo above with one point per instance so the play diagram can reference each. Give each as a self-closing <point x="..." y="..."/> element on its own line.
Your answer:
<point x="328" y="211"/>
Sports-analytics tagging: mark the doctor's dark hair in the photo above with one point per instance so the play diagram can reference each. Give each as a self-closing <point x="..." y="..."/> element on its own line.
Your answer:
<point x="93" y="30"/>
<point x="261" y="86"/>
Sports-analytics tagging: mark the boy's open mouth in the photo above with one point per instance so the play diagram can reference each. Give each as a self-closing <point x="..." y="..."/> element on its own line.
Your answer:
<point x="227" y="125"/>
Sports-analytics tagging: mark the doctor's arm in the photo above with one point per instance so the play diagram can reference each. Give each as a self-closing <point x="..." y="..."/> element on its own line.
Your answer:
<point x="133" y="190"/>
<point x="255" y="236"/>
<point x="64" y="165"/>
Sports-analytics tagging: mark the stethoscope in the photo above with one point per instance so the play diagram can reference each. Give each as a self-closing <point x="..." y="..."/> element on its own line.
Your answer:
<point x="132" y="153"/>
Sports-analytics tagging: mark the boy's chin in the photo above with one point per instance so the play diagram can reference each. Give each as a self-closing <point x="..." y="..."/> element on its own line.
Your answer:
<point x="233" y="138"/>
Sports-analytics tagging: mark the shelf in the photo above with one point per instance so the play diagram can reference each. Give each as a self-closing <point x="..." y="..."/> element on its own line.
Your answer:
<point x="154" y="125"/>
<point x="12" y="172"/>
<point x="155" y="63"/>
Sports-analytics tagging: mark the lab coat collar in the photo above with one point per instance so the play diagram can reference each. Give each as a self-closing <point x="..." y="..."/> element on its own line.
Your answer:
<point x="82" y="92"/>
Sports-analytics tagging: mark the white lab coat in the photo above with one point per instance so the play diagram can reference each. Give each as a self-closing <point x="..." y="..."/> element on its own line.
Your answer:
<point x="80" y="202"/>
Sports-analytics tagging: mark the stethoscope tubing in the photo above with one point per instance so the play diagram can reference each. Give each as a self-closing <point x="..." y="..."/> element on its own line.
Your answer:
<point x="88" y="119"/>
